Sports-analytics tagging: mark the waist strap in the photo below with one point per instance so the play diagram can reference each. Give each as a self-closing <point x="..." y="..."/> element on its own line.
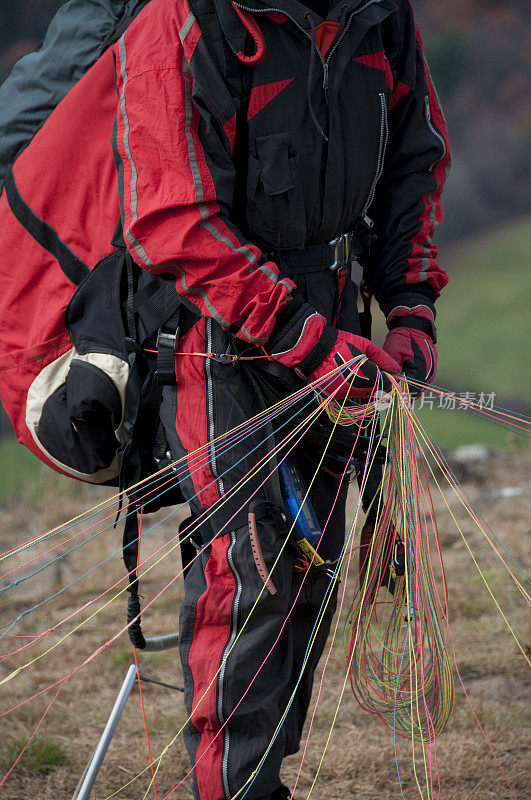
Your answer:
<point x="333" y="255"/>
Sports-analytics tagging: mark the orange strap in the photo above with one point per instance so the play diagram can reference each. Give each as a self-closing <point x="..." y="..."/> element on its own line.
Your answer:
<point x="229" y="358"/>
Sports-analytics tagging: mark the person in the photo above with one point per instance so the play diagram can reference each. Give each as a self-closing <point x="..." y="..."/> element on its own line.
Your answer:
<point x="258" y="154"/>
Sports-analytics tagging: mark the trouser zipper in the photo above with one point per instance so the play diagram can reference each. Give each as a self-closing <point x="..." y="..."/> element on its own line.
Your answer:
<point x="210" y="410"/>
<point x="226" y="651"/>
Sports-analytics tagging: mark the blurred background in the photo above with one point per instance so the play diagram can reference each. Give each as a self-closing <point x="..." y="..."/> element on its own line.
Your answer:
<point x="479" y="52"/>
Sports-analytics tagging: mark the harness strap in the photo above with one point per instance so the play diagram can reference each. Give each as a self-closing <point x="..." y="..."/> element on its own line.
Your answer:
<point x="130" y="556"/>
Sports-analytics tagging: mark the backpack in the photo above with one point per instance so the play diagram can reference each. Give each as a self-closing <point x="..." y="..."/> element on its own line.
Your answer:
<point x="76" y="313"/>
<point x="63" y="368"/>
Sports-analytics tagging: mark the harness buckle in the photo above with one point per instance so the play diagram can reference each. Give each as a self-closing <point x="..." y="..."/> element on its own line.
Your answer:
<point x="167" y="339"/>
<point x="166" y="349"/>
<point x="344" y="250"/>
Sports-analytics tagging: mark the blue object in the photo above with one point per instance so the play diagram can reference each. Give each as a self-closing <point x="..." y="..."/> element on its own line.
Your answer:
<point x="300" y="509"/>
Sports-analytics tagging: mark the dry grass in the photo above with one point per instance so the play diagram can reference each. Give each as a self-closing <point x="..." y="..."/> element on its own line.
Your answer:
<point x="360" y="762"/>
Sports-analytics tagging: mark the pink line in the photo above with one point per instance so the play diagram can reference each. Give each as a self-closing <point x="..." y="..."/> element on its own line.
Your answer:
<point x="52" y="701"/>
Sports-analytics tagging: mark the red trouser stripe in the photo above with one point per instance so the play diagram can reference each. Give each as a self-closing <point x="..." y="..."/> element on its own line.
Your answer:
<point x="191" y="422"/>
<point x="211" y="632"/>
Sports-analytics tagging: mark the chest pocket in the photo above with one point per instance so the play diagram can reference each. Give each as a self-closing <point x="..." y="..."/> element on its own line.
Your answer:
<point x="275" y="211"/>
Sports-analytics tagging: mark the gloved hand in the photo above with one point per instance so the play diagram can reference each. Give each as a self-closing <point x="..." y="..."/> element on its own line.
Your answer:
<point x="411" y="342"/>
<point x="303" y="340"/>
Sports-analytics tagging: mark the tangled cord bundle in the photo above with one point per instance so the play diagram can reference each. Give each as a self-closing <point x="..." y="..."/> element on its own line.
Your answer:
<point x="395" y="636"/>
<point x="396" y="633"/>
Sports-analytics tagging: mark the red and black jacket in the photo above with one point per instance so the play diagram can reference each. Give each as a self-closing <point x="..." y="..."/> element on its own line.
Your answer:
<point x="319" y="124"/>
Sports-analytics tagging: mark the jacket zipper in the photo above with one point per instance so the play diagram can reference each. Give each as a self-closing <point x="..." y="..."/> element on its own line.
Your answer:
<point x="324" y="62"/>
<point x="384" y="131"/>
<point x="226" y="651"/>
<point x="343" y="32"/>
<point x="210" y="411"/>
<point x="435" y="132"/>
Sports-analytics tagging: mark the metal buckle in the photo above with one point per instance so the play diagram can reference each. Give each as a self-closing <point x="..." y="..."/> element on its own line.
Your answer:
<point x="342" y="251"/>
<point x="223" y="358"/>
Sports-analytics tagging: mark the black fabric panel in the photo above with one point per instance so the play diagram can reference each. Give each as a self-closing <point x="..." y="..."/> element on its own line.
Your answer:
<point x="412" y="295"/>
<point x="322" y="349"/>
<point x="91" y="315"/>
<point x="416" y="323"/>
<point x="73" y="267"/>
<point x="79" y="419"/>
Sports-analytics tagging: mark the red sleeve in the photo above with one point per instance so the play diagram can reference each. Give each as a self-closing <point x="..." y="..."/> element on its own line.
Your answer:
<point x="407" y="207"/>
<point x="173" y="149"/>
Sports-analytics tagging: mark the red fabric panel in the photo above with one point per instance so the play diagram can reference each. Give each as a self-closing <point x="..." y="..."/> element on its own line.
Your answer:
<point x="276" y="16"/>
<point x="191" y="421"/>
<point x="75" y="189"/>
<point x="34" y="296"/>
<point x="325" y="33"/>
<point x="400" y="90"/>
<point x="342" y="275"/>
<point x="377" y="61"/>
<point x="262" y="95"/>
<point x="230" y="130"/>
<point x="432" y="215"/>
<point x="211" y="632"/>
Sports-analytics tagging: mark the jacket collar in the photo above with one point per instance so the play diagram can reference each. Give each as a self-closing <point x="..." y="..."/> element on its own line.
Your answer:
<point x="237" y="25"/>
<point x="298" y="11"/>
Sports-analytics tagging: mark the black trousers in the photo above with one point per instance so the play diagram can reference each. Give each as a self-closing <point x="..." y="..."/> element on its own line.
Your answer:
<point x="244" y="645"/>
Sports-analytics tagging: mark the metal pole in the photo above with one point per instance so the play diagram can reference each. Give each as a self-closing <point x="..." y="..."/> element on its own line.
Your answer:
<point x="157" y="643"/>
<point x="104" y="742"/>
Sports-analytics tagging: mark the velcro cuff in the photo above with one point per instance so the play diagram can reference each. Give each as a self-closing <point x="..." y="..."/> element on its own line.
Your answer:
<point x="322" y="349"/>
<point x="417" y="323"/>
<point x="415" y="295"/>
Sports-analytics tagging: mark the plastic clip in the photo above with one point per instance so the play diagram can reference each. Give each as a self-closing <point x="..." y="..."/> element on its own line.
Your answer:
<point x="166" y="348"/>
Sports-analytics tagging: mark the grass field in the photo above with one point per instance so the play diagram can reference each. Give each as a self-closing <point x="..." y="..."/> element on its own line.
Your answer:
<point x="21" y="473"/>
<point x="360" y="761"/>
<point x="484" y="314"/>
